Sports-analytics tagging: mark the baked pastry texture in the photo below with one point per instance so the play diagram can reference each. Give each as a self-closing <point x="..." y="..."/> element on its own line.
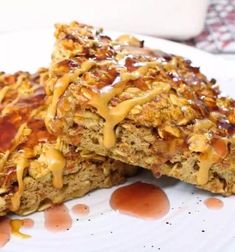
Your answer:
<point x="143" y="107"/>
<point x="38" y="169"/>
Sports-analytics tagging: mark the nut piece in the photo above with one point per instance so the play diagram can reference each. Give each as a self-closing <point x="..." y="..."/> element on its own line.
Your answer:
<point x="203" y="125"/>
<point x="172" y="130"/>
<point x="198" y="143"/>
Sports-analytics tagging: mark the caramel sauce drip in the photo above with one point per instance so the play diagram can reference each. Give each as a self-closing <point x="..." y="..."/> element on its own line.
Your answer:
<point x="206" y="161"/>
<point x="38" y="134"/>
<point x="21" y="131"/>
<point x="114" y="115"/>
<point x="214" y="154"/>
<point x="16" y="225"/>
<point x="22" y="163"/>
<point x="61" y="85"/>
<point x="56" y="163"/>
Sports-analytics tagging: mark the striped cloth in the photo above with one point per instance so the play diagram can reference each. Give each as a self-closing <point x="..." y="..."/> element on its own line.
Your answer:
<point x="219" y="33"/>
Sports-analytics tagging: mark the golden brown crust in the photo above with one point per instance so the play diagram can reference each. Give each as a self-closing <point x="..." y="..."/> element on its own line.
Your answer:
<point x="27" y="175"/>
<point x="184" y="119"/>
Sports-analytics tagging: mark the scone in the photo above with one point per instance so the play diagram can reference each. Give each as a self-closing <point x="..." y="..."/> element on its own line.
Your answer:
<point x="38" y="169"/>
<point x="143" y="107"/>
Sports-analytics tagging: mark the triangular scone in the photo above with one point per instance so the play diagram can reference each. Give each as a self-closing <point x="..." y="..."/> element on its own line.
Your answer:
<point x="36" y="168"/>
<point x="141" y="106"/>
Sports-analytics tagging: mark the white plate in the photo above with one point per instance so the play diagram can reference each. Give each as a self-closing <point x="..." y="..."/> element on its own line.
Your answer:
<point x="104" y="229"/>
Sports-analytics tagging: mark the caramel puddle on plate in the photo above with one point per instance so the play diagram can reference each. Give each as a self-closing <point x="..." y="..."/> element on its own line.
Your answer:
<point x="57" y="218"/>
<point x="141" y="200"/>
<point x="8" y="227"/>
<point x="5" y="231"/>
<point x="214" y="203"/>
<point x="16" y="225"/>
<point x="81" y="209"/>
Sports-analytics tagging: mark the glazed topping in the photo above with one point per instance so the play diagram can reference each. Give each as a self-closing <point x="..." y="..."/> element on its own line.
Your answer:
<point x="125" y="84"/>
<point x="15" y="115"/>
<point x="217" y="150"/>
<point x="56" y="163"/>
<point x="190" y="91"/>
<point x="22" y="127"/>
<point x="8" y="131"/>
<point x="22" y="163"/>
<point x="114" y="115"/>
<point x="206" y="161"/>
<point x="62" y="84"/>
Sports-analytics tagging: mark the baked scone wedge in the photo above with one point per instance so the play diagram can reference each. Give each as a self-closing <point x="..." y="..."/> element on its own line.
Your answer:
<point x="36" y="168"/>
<point x="143" y="107"/>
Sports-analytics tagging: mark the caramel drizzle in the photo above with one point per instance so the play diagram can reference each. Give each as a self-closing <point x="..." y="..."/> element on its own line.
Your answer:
<point x="56" y="163"/>
<point x="55" y="159"/>
<point x="206" y="159"/>
<point x="16" y="225"/>
<point x="3" y="93"/>
<point x="60" y="87"/>
<point x="22" y="163"/>
<point x="114" y="115"/>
